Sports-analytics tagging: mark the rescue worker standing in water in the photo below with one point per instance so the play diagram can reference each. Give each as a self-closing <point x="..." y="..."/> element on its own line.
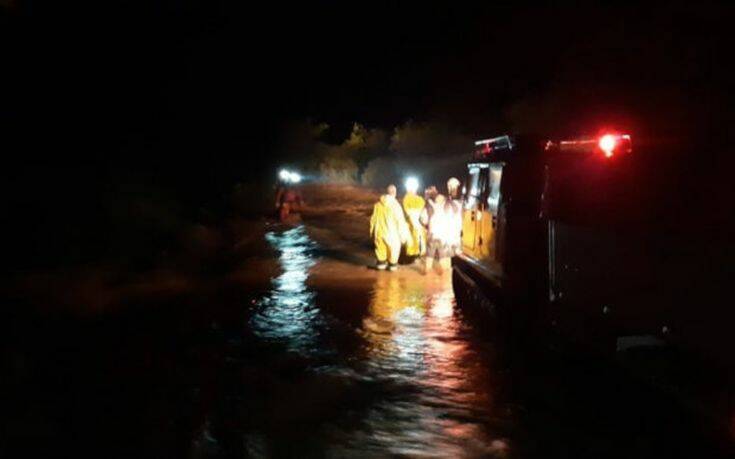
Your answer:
<point x="453" y="189"/>
<point x="453" y="198"/>
<point x="438" y="216"/>
<point x="413" y="204"/>
<point x="389" y="230"/>
<point x="288" y="202"/>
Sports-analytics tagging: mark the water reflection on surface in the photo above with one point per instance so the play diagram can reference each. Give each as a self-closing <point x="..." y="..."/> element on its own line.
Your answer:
<point x="410" y="379"/>
<point x="288" y="314"/>
<point x="386" y="366"/>
<point x="416" y="341"/>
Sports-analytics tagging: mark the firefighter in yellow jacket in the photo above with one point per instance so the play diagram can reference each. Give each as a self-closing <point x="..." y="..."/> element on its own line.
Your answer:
<point x="389" y="230"/>
<point x="413" y="204"/>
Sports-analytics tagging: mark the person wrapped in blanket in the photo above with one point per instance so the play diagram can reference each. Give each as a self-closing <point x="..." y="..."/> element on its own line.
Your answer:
<point x="454" y="196"/>
<point x="440" y="216"/>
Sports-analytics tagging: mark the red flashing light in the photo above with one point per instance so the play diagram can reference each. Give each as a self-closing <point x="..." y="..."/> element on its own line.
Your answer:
<point x="607" y="144"/>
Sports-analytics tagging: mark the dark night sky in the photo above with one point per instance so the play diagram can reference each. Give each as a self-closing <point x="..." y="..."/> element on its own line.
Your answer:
<point x="193" y="93"/>
<point x="169" y="75"/>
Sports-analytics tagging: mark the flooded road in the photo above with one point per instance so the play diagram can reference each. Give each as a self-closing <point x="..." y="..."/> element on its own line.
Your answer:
<point x="288" y="314"/>
<point x="391" y="367"/>
<point x="320" y="357"/>
<point x="414" y="340"/>
<point x="401" y="350"/>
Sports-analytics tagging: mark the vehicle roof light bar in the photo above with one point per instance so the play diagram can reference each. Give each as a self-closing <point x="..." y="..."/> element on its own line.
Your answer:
<point x="487" y="146"/>
<point x="608" y="144"/>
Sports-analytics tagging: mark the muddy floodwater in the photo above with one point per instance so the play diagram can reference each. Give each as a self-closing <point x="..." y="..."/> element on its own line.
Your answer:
<point x="391" y="367"/>
<point x="395" y="371"/>
<point x="323" y="358"/>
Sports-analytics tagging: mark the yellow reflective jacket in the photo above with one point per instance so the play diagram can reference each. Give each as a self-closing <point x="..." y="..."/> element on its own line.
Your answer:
<point x="413" y="204"/>
<point x="387" y="221"/>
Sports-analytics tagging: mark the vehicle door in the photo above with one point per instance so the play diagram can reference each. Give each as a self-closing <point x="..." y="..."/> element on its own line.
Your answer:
<point x="472" y="207"/>
<point x="487" y="217"/>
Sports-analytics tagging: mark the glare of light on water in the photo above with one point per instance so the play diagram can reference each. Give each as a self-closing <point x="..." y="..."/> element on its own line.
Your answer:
<point x="414" y="339"/>
<point x="288" y="313"/>
<point x="432" y="400"/>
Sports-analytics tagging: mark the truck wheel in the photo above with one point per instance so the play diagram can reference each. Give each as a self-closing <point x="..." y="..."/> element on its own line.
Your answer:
<point x="476" y="306"/>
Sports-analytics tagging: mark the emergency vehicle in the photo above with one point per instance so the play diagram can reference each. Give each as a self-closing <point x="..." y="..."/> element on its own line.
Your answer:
<point x="568" y="235"/>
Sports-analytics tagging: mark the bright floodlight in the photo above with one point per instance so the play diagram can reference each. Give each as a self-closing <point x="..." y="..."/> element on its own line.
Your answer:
<point x="284" y="175"/>
<point x="412" y="184"/>
<point x="295" y="177"/>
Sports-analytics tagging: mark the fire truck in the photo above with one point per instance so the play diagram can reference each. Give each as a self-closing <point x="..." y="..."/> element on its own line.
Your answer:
<point x="569" y="236"/>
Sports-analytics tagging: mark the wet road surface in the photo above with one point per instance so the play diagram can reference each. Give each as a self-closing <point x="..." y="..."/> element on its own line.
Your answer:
<point x="387" y="367"/>
<point x="401" y="345"/>
<point x="396" y="369"/>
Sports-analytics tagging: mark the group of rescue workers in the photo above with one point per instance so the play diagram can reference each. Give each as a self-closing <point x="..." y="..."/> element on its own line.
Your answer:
<point x="428" y="227"/>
